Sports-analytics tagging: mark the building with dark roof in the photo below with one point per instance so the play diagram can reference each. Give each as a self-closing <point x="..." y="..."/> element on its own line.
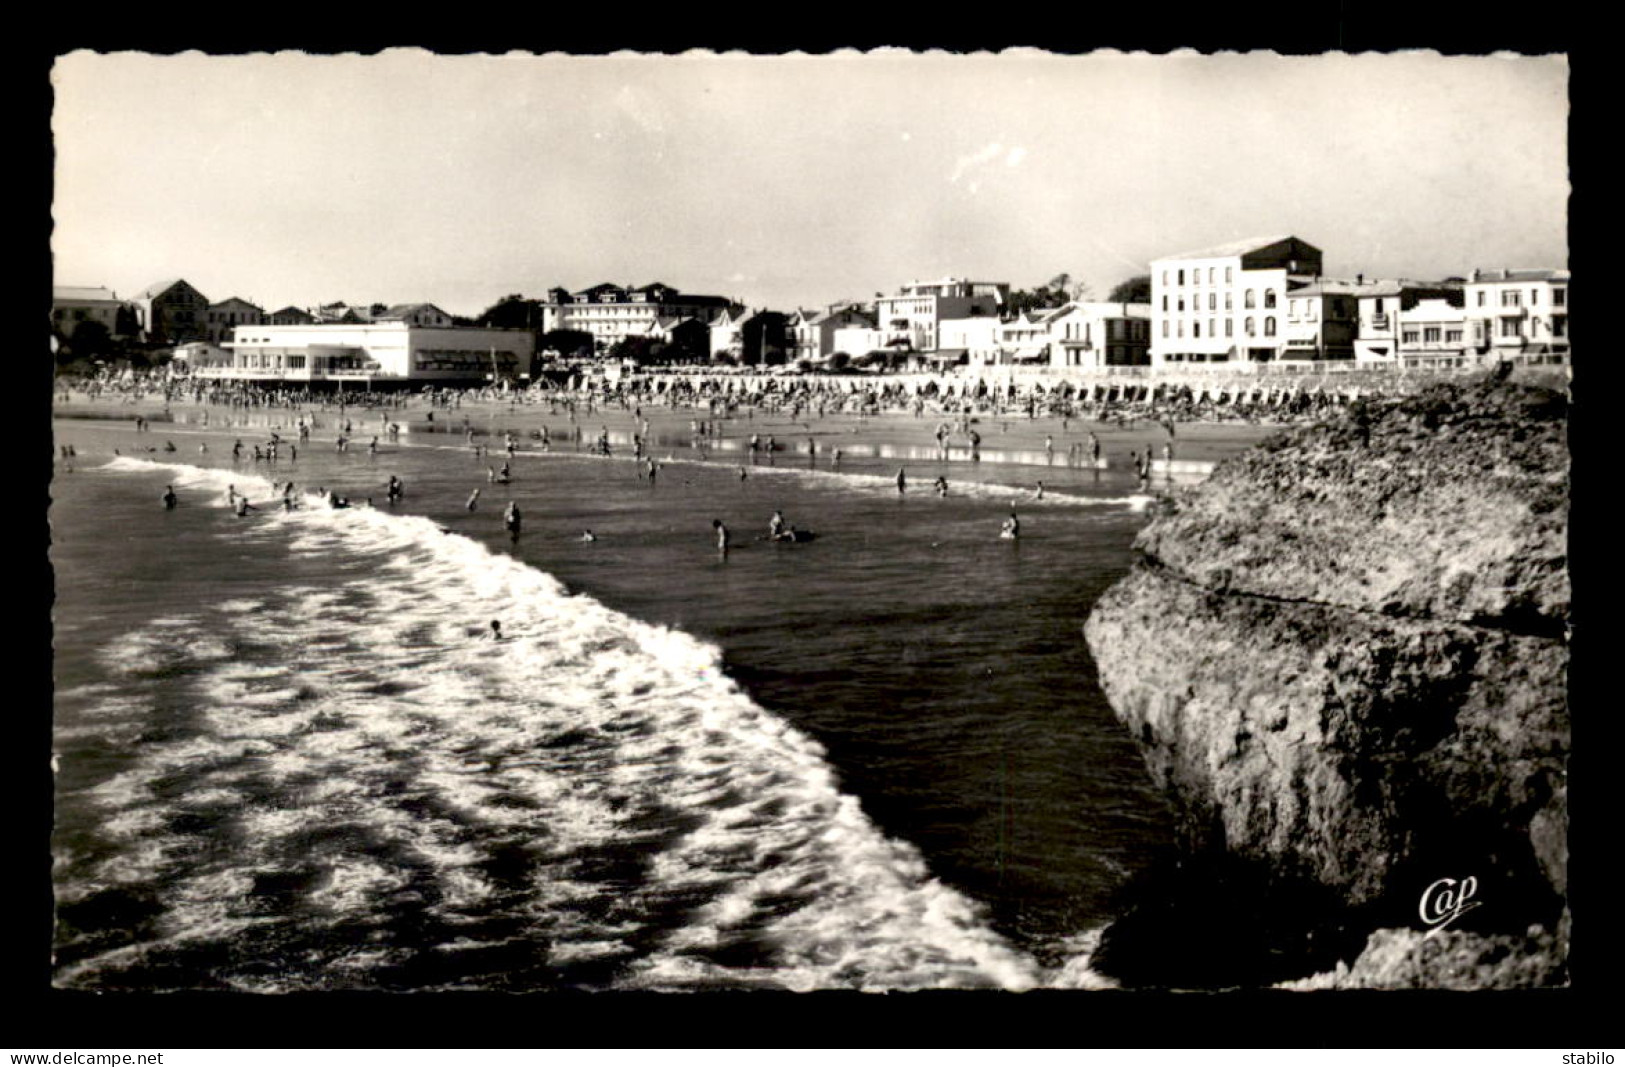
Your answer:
<point x="171" y="312"/>
<point x="1225" y="303"/>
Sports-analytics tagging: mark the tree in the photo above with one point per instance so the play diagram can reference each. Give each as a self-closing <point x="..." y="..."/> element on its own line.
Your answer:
<point x="640" y="350"/>
<point x="1136" y="290"/>
<point x="90" y="340"/>
<point x="512" y="312"/>
<point x="1057" y="292"/>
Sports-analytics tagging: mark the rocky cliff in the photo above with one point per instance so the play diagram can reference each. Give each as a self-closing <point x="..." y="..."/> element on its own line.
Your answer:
<point x="1345" y="658"/>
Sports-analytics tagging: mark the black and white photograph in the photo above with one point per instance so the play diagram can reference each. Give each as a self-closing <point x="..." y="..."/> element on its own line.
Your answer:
<point x="876" y="521"/>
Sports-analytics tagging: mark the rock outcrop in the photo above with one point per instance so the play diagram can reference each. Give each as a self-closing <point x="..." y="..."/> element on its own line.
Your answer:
<point x="1345" y="658"/>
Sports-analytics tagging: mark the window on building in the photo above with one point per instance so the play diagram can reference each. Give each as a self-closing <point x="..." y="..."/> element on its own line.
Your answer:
<point x="1509" y="328"/>
<point x="1227" y="302"/>
<point x="1196" y="329"/>
<point x="1560" y="298"/>
<point x="1164" y="277"/>
<point x="1165" y="301"/>
<point x="1534" y="297"/>
<point x="1229" y="327"/>
<point x="1247" y="325"/>
<point x="1181" y="277"/>
<point x="1481" y="296"/>
<point x="1249" y="299"/>
<point x="1227" y="275"/>
<point x="1453" y="336"/>
<point x="1411" y="337"/>
<point x="1511" y="298"/>
<point x="1210" y="271"/>
<point x="1182" y="303"/>
<point x="1164" y="328"/>
<point x="1269" y="298"/>
<point x="1430" y="334"/>
<point x="1213" y="327"/>
<point x="1560" y="325"/>
<point x="1179" y="329"/>
<point x="1269" y="325"/>
<point x="1213" y="301"/>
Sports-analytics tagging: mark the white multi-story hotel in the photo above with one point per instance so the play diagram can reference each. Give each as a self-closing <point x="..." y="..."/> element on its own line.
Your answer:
<point x="386" y="352"/>
<point x="612" y="313"/>
<point x="1518" y="313"/>
<point x="913" y="315"/>
<point x="1227" y="303"/>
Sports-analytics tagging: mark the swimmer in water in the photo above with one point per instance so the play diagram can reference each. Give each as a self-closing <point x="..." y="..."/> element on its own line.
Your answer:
<point x="1040" y="490"/>
<point x="588" y="535"/>
<point x="473" y="499"/>
<point x="496" y="629"/>
<point x="1011" y="528"/>
<point x="775" y="526"/>
<point x="511" y="519"/>
<point x="941" y="485"/>
<point x="902" y="482"/>
<point x="169" y="498"/>
<point x="722" y="535"/>
<point x="244" y="507"/>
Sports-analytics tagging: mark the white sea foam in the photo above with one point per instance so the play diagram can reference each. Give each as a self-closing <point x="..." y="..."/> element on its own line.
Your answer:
<point x="500" y="777"/>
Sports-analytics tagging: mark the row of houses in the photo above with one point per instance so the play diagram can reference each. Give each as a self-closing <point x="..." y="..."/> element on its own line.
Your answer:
<point x="1266" y="299"/>
<point x="1260" y="300"/>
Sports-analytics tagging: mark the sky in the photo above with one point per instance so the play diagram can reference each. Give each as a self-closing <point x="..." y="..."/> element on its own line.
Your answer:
<point x="787" y="181"/>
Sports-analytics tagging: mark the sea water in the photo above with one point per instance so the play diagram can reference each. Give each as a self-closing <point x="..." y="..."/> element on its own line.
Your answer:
<point x="292" y="756"/>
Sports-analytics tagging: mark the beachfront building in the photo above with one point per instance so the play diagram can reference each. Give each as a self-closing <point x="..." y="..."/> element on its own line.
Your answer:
<point x="612" y="313"/>
<point x="395" y="352"/>
<point x="222" y="318"/>
<point x="913" y="316"/>
<point x="290" y="316"/>
<point x="1520" y="315"/>
<point x="1227" y="303"/>
<point x="1323" y="320"/>
<point x="195" y="355"/>
<point x="749" y="338"/>
<point x="1091" y="335"/>
<point x="171" y="312"/>
<point x="1024" y="337"/>
<point x="345" y="314"/>
<point x="727" y="334"/>
<point x="1432" y="333"/>
<point x="812" y="333"/>
<point x="74" y="305"/>
<point x="974" y="340"/>
<point x="855" y="340"/>
<point x="1382" y="305"/>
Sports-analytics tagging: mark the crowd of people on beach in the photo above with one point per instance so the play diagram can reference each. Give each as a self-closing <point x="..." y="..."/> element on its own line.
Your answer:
<point x="958" y="399"/>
